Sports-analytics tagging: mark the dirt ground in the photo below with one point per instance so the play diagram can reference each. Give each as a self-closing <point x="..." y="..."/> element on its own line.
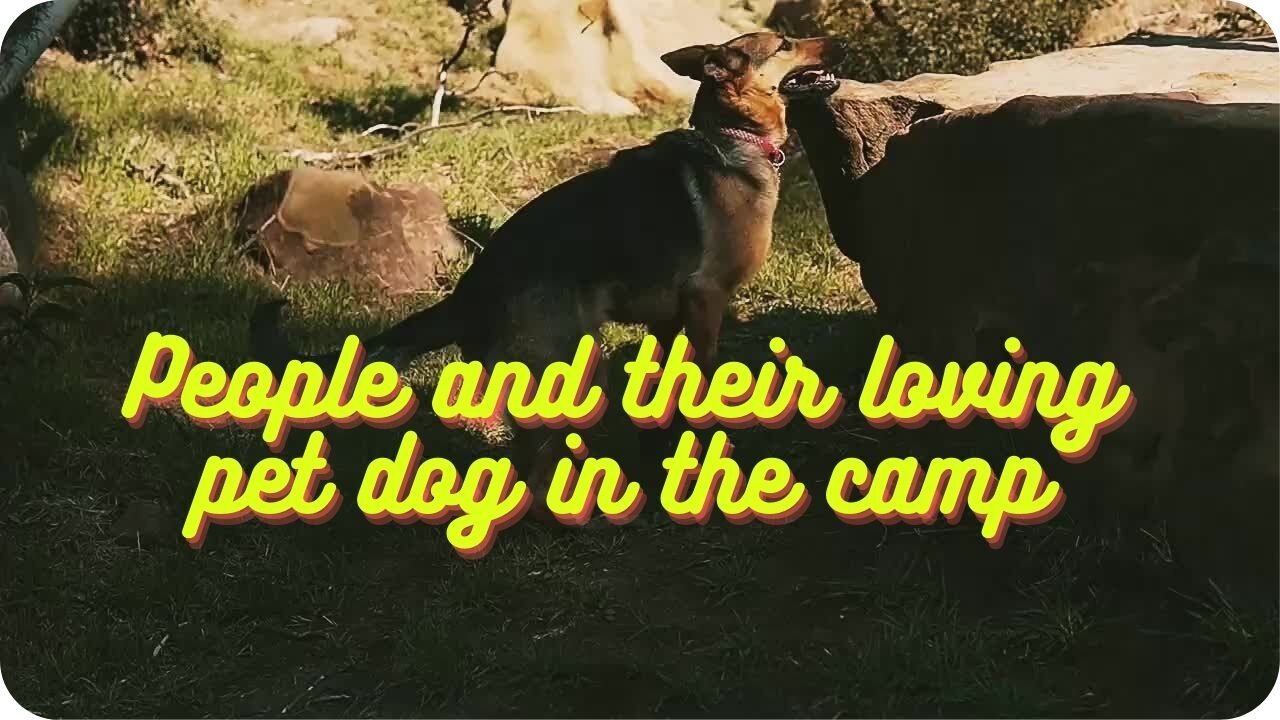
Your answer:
<point x="388" y="40"/>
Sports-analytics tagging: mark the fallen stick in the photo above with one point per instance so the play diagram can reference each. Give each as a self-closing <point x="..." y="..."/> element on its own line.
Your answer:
<point x="312" y="157"/>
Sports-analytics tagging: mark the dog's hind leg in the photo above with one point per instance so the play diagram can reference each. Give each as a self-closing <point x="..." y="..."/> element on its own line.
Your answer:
<point x="656" y="443"/>
<point x="665" y="331"/>
<point x="702" y="306"/>
<point x="536" y="451"/>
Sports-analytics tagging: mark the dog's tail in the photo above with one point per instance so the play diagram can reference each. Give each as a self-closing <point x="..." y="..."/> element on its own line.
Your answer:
<point x="421" y="332"/>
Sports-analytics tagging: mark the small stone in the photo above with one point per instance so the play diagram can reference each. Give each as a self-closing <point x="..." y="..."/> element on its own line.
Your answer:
<point x="317" y="31"/>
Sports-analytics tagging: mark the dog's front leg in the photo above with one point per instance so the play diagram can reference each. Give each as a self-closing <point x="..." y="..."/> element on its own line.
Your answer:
<point x="666" y="330"/>
<point x="702" y="305"/>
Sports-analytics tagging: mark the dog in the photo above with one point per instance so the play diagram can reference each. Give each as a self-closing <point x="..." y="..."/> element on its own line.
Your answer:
<point x="662" y="236"/>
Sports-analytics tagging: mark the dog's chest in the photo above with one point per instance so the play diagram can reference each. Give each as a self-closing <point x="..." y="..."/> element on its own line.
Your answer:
<point x="735" y="218"/>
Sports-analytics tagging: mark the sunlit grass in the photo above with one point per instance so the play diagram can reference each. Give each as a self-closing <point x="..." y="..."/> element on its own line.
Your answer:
<point x="353" y="619"/>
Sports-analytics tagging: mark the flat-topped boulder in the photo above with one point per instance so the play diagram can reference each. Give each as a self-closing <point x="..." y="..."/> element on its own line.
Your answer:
<point x="1207" y="70"/>
<point x="1214" y="71"/>
<point x="313" y="224"/>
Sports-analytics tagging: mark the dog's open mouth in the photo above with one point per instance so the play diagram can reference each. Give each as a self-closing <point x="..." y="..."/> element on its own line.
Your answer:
<point x="804" y="81"/>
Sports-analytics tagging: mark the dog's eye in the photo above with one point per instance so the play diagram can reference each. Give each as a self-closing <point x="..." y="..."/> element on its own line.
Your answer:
<point x="786" y="45"/>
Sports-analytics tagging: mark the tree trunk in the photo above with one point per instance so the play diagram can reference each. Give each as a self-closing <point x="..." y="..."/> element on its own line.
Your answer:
<point x="20" y="52"/>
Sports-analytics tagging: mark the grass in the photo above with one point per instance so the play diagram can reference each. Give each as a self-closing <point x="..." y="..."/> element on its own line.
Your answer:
<point x="106" y="617"/>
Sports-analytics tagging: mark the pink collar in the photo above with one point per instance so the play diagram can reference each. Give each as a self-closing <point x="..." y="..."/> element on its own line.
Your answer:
<point x="771" y="151"/>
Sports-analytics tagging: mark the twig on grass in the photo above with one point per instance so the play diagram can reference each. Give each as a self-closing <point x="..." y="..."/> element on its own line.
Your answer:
<point x="466" y="237"/>
<point x="257" y="235"/>
<point x="398" y="129"/>
<point x="312" y="157"/>
<point x="488" y="73"/>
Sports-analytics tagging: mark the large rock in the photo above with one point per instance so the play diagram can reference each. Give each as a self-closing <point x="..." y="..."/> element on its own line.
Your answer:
<point x="1134" y="228"/>
<point x="1121" y="18"/>
<point x="603" y="55"/>
<point x="1213" y="70"/>
<point x="331" y="225"/>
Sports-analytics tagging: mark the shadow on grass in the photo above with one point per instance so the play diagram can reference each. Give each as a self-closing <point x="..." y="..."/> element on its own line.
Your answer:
<point x="40" y="126"/>
<point x="37" y="127"/>
<point x="357" y="111"/>
<point x="352" y="619"/>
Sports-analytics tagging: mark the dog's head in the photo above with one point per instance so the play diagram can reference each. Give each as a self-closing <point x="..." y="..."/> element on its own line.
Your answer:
<point x="755" y="75"/>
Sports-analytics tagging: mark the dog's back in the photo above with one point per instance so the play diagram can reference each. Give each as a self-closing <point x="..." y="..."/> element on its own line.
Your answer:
<point x="605" y="241"/>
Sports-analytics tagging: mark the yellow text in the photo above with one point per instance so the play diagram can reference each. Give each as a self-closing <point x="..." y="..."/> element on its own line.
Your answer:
<point x="902" y="490"/>
<point x="734" y="397"/>
<point x="563" y="396"/>
<point x="251" y="397"/>
<point x="1080" y="409"/>
<point x="477" y="505"/>
<point x="769" y="494"/>
<point x="271" y="493"/>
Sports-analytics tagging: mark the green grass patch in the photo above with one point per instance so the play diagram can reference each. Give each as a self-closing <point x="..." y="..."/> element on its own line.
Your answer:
<point x="350" y="619"/>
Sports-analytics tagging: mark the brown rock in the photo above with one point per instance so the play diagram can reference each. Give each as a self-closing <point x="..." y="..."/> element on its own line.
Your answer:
<point x="331" y="225"/>
<point x="1215" y="71"/>
<point x="316" y="31"/>
<point x="1121" y="18"/>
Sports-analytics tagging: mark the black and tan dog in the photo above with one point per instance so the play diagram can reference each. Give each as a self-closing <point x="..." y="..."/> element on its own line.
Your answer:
<point x="661" y="236"/>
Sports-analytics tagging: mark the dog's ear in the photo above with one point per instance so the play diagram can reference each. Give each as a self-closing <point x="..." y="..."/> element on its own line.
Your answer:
<point x="690" y="61"/>
<point x="707" y="62"/>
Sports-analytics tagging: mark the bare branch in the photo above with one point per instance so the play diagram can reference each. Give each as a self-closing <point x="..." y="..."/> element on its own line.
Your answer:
<point x="488" y="73"/>
<point x="886" y="15"/>
<point x="462" y="47"/>
<point x="470" y="20"/>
